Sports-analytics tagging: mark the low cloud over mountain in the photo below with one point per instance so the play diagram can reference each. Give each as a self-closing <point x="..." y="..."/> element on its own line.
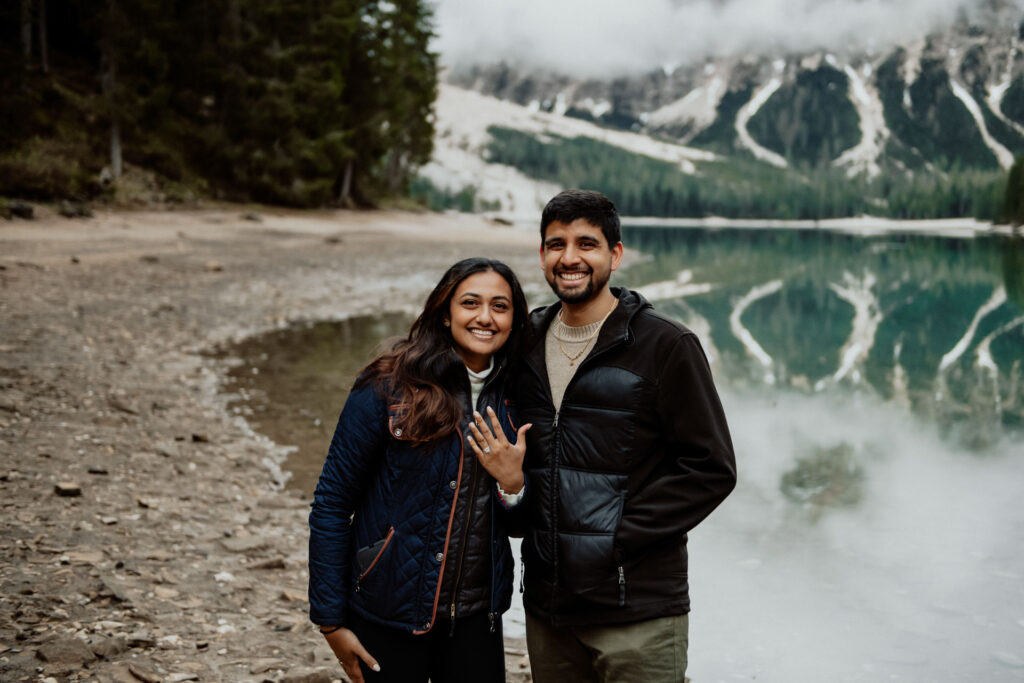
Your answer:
<point x="602" y="38"/>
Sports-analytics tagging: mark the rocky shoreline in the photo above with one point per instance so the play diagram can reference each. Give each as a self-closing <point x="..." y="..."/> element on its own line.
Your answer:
<point x="145" y="533"/>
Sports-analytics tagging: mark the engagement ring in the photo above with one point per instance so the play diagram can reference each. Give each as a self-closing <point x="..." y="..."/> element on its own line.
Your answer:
<point x="487" y="449"/>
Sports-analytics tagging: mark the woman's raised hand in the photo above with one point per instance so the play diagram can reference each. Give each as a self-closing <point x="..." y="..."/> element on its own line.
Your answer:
<point x="348" y="650"/>
<point x="502" y="459"/>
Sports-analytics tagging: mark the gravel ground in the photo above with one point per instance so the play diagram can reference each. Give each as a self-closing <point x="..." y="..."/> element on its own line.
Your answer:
<point x="145" y="532"/>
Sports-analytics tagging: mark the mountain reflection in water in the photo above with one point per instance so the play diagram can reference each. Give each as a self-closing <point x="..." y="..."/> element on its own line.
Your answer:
<point x="874" y="389"/>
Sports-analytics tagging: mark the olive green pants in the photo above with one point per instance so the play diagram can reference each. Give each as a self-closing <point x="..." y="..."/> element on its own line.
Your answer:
<point x="652" y="651"/>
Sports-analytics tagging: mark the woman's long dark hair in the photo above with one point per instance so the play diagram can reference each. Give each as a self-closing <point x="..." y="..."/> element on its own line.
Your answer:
<point x="421" y="371"/>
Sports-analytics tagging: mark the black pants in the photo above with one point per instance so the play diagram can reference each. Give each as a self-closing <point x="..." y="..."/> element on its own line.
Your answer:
<point x="469" y="653"/>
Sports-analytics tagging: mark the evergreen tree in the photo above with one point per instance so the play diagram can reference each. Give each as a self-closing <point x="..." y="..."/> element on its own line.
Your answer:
<point x="302" y="102"/>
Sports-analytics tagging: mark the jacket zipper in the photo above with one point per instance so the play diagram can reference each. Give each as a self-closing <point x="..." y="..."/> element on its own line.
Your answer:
<point x="554" y="463"/>
<point x="462" y="552"/>
<point x="465" y="531"/>
<point x="447" y="537"/>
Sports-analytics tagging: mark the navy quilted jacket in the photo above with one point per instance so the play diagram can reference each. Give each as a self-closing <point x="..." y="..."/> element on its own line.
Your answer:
<point x="382" y="516"/>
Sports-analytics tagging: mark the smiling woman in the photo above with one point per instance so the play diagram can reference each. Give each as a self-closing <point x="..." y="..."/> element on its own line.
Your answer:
<point x="480" y="318"/>
<point x="410" y="567"/>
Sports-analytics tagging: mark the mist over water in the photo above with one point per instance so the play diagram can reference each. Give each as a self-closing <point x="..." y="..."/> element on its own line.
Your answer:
<point x="874" y="390"/>
<point x="922" y="580"/>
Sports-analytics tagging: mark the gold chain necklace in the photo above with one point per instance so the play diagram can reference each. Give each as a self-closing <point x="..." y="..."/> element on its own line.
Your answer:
<point x="573" y="357"/>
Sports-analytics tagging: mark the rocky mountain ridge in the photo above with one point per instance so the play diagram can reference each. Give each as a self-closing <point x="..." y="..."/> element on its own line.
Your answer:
<point x="953" y="99"/>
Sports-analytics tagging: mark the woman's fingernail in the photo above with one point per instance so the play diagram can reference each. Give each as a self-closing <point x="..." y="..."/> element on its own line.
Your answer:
<point x="376" y="667"/>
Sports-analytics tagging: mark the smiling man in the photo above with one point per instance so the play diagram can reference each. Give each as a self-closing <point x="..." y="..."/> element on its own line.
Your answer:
<point x="629" y="450"/>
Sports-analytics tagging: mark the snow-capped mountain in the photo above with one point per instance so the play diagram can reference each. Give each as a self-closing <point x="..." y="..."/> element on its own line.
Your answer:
<point x="949" y="100"/>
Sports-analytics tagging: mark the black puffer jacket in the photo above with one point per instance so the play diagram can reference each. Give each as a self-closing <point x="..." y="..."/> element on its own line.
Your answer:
<point x="638" y="454"/>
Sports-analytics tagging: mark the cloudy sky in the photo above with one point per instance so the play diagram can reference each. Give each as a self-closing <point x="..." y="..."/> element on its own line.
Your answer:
<point x="590" y="37"/>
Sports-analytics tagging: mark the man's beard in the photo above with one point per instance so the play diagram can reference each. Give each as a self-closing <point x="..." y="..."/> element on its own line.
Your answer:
<point x="594" y="285"/>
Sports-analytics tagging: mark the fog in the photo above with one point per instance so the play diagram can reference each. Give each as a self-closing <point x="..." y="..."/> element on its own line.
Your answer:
<point x="610" y="37"/>
<point x="923" y="579"/>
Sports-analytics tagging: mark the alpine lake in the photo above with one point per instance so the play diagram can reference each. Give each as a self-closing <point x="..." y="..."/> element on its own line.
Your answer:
<point x="874" y="386"/>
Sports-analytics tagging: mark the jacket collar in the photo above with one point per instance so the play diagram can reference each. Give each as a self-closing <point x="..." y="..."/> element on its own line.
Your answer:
<point x="614" y="331"/>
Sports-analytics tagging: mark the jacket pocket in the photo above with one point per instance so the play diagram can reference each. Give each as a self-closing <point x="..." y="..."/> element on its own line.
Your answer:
<point x="368" y="557"/>
<point x="589" y="512"/>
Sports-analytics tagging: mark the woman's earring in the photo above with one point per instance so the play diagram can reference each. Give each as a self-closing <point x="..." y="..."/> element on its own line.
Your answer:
<point x="447" y="322"/>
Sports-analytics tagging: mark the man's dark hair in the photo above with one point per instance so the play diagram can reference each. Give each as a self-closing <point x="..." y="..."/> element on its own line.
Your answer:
<point x="593" y="207"/>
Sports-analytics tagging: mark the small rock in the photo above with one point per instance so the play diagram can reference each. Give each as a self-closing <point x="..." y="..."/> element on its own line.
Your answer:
<point x="261" y="665"/>
<point x="141" y="638"/>
<point x="75" y="259"/>
<point x="307" y="676"/>
<point x="272" y="563"/>
<point x="244" y="545"/>
<point x="90" y="557"/>
<point x="111" y="589"/>
<point x="149" y="258"/>
<point x="200" y="438"/>
<point x="98" y="470"/>
<point x="143" y="672"/>
<point x="181" y="676"/>
<point x="74" y="210"/>
<point x="117" y="672"/>
<point x="252" y="216"/>
<point x="292" y="596"/>
<point x="165" y="593"/>
<point x="223" y="577"/>
<point x="68" y="489"/>
<point x="168" y="448"/>
<point x="68" y="651"/>
<point x="213" y="266"/>
<point x="11" y="400"/>
<point x="110" y="647"/>
<point x="169" y="643"/>
<point x="125" y="407"/>
<point x="333" y="239"/>
<point x="21" y="209"/>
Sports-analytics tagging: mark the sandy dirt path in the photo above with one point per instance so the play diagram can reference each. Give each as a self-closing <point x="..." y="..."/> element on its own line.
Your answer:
<point x="144" y="533"/>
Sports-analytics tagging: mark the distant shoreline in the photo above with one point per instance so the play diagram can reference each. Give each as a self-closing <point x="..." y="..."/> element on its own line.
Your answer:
<point x="861" y="225"/>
